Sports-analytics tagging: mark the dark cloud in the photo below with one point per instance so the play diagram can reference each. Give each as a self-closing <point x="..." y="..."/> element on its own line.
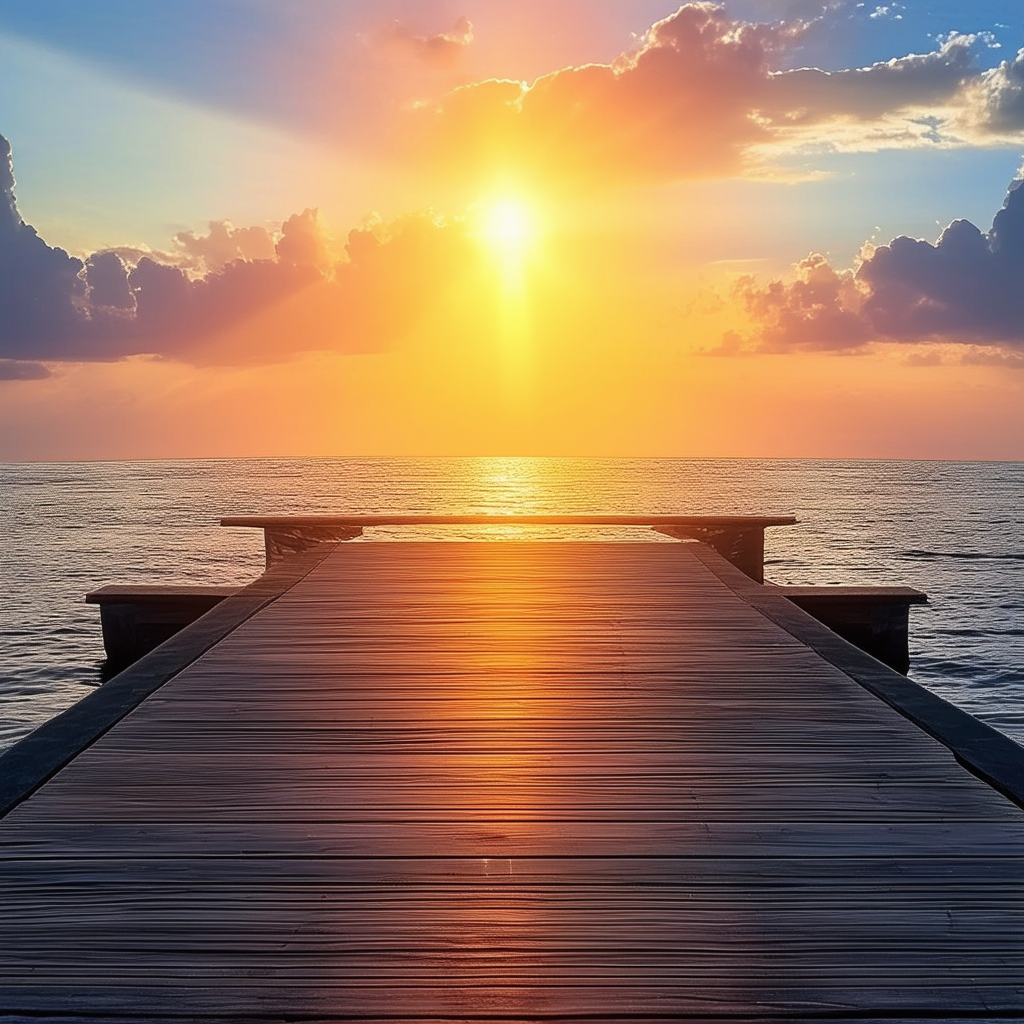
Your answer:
<point x="440" y="50"/>
<point x="40" y="289"/>
<point x="967" y="288"/>
<point x="21" y="369"/>
<point x="107" y="279"/>
<point x="175" y="314"/>
<point x="809" y="95"/>
<point x="125" y="302"/>
<point x="994" y="101"/>
<point x="969" y="285"/>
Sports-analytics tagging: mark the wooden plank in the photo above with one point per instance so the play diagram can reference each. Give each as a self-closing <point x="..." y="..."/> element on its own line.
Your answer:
<point x="146" y="593"/>
<point x="513" y="781"/>
<point x="33" y="760"/>
<point x="987" y="753"/>
<point x="502" y="838"/>
<point x="389" y="519"/>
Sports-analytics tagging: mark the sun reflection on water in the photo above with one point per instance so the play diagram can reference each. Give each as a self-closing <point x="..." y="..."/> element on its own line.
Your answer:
<point x="512" y="486"/>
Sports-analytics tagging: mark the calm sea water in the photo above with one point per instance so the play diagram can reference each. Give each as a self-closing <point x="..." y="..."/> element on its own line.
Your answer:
<point x="952" y="529"/>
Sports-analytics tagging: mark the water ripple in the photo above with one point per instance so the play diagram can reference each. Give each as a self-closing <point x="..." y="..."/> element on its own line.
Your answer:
<point x="943" y="527"/>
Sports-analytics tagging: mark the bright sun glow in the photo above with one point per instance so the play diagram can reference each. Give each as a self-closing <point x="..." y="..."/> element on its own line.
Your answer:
<point x="507" y="226"/>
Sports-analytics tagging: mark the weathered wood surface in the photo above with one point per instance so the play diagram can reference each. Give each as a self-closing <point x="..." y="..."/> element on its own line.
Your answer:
<point x="516" y="781"/>
<point x="29" y="763"/>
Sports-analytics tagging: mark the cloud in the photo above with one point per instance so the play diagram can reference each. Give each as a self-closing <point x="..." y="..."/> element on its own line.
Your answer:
<point x="303" y="243"/>
<point x="682" y="104"/>
<point x="39" y="286"/>
<point x="702" y="95"/>
<point x="817" y="311"/>
<point x="813" y="96"/>
<point x="887" y="11"/>
<point x="107" y="282"/>
<point x="20" y="369"/>
<point x="992" y="103"/>
<point x="443" y="49"/>
<point x="938" y="97"/>
<point x="174" y="313"/>
<point x="224" y="244"/>
<point x="967" y="288"/>
<point x="266" y="298"/>
<point x="969" y="285"/>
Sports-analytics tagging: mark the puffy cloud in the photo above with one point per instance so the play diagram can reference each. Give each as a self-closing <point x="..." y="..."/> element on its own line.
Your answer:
<point x="820" y="310"/>
<point x="224" y="244"/>
<point x="440" y="50"/>
<point x="993" y="102"/>
<point x="174" y="314"/>
<point x="967" y="288"/>
<point x="812" y="96"/>
<point x="702" y="95"/>
<point x="887" y="11"/>
<point x="107" y="279"/>
<point x="683" y="104"/>
<point x="39" y="286"/>
<point x="397" y="271"/>
<point x="124" y="302"/>
<point x="303" y="243"/>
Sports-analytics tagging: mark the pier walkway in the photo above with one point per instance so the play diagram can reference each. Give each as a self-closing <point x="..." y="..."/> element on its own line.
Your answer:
<point x="513" y="781"/>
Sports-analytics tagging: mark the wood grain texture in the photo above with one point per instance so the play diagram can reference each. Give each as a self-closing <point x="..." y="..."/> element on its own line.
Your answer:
<point x="34" y="759"/>
<point x="388" y="519"/>
<point x="148" y="593"/>
<point x="512" y="781"/>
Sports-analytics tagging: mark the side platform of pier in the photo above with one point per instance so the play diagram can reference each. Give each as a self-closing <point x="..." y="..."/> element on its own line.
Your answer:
<point x="514" y="781"/>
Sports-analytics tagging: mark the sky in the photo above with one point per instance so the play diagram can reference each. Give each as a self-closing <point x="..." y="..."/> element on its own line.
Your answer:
<point x="757" y="228"/>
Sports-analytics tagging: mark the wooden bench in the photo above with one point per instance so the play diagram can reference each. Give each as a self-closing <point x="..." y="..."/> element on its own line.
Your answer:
<point x="137" y="619"/>
<point x="738" y="539"/>
<point x="875" y="619"/>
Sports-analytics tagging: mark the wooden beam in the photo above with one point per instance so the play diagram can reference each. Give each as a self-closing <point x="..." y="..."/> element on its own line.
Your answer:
<point x="136" y="619"/>
<point x="875" y="619"/>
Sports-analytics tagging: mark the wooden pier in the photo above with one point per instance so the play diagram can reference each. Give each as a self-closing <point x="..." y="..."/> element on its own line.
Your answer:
<point x="511" y="781"/>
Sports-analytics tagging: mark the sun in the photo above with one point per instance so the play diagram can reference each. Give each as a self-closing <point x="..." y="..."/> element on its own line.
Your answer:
<point x="506" y="226"/>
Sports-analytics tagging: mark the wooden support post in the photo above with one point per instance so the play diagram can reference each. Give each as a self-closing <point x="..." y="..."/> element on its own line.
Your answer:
<point x="282" y="541"/>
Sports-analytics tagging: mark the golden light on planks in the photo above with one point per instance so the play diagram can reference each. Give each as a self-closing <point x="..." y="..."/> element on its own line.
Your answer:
<point x="496" y="781"/>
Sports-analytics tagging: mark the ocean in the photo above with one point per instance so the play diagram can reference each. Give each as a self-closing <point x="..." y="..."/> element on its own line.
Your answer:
<point x="952" y="529"/>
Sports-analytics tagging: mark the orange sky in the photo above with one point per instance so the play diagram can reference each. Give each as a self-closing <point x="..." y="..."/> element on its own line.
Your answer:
<point x="585" y="267"/>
